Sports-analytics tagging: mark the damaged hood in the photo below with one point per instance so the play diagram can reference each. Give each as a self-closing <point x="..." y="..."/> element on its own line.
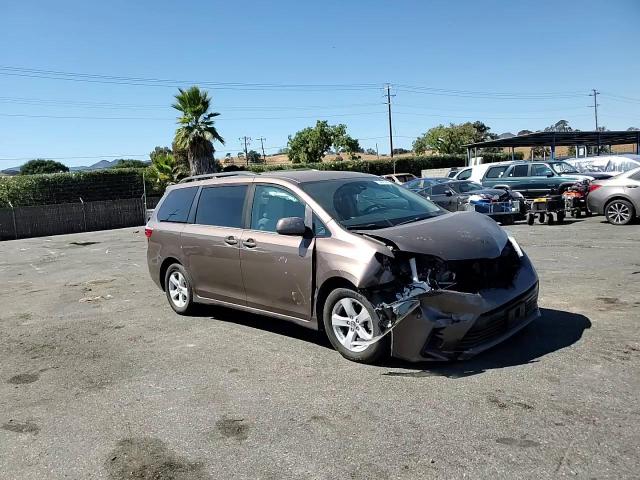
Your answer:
<point x="455" y="236"/>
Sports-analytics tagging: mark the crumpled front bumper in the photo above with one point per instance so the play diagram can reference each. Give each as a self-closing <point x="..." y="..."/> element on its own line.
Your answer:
<point x="451" y="325"/>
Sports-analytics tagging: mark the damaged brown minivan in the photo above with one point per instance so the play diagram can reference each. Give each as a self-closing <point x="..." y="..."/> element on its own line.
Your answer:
<point x="378" y="268"/>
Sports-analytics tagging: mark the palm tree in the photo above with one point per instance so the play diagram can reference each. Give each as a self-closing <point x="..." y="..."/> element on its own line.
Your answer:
<point x="196" y="133"/>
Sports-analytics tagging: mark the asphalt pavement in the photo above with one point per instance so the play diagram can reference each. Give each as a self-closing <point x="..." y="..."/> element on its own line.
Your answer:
<point x="100" y="379"/>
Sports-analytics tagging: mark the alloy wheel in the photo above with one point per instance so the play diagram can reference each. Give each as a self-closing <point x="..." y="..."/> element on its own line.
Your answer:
<point x="178" y="291"/>
<point x="618" y="213"/>
<point x="351" y="324"/>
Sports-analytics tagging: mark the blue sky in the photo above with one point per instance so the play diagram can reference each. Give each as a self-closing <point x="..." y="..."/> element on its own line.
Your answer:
<point x="526" y="64"/>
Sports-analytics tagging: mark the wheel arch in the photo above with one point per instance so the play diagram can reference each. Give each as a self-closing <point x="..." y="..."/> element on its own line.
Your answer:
<point x="166" y="263"/>
<point x="325" y="289"/>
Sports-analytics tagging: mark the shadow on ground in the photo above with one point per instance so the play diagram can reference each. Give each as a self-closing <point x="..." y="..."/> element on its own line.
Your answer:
<point x="265" y="323"/>
<point x="553" y="331"/>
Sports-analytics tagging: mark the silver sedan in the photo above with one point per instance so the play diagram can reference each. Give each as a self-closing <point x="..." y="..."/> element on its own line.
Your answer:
<point x="617" y="198"/>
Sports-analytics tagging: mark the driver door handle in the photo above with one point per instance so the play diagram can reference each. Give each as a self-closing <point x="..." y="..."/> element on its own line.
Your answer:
<point x="231" y="240"/>
<point x="632" y="186"/>
<point x="249" y="243"/>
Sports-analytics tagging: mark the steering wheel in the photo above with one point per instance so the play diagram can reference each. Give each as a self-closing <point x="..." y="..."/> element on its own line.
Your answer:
<point x="373" y="208"/>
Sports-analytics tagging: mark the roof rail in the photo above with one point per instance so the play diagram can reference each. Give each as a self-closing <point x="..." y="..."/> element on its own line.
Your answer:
<point x="207" y="176"/>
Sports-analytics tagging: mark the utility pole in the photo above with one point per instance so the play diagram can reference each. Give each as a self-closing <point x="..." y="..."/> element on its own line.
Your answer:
<point x="264" y="156"/>
<point x="377" y="153"/>
<point x="595" y="104"/>
<point x="247" y="141"/>
<point x="390" y="127"/>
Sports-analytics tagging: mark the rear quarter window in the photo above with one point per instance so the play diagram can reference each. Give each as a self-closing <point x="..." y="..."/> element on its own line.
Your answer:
<point x="496" y="172"/>
<point x="464" y="175"/>
<point x="176" y="206"/>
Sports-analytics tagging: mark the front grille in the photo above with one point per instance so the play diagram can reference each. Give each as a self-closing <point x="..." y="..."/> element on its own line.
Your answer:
<point x="495" y="323"/>
<point x="473" y="275"/>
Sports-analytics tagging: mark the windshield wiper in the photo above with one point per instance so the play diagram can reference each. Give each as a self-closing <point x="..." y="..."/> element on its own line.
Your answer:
<point x="364" y="226"/>
<point x="415" y="219"/>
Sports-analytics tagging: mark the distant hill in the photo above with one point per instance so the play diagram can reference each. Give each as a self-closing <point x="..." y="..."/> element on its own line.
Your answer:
<point x="506" y="135"/>
<point x="101" y="165"/>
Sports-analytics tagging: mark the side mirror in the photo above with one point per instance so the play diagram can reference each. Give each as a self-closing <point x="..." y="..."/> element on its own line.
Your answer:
<point x="549" y="175"/>
<point x="449" y="193"/>
<point x="293" y="226"/>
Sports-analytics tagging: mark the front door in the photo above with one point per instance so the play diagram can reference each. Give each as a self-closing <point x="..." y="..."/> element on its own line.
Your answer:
<point x="277" y="269"/>
<point x="541" y="181"/>
<point x="444" y="197"/>
<point x="211" y="245"/>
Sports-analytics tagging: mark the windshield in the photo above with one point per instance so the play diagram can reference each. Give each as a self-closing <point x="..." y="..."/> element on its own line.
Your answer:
<point x="563" y="167"/>
<point x="370" y="203"/>
<point x="419" y="184"/>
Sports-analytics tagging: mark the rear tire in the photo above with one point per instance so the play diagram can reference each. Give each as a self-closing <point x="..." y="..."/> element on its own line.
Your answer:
<point x="550" y="220"/>
<point x="178" y="287"/>
<point x="619" y="212"/>
<point x="542" y="217"/>
<point x="348" y="316"/>
<point x="531" y="218"/>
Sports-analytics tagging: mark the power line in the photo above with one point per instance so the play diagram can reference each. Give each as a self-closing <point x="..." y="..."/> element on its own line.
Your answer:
<point x="68" y="103"/>
<point x="82" y="117"/>
<point x="172" y="83"/>
<point x="486" y="94"/>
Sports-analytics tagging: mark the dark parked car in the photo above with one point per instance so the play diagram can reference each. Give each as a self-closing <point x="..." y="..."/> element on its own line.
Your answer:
<point x="464" y="195"/>
<point x="375" y="266"/>
<point x="421" y="183"/>
<point x="617" y="198"/>
<point x="531" y="179"/>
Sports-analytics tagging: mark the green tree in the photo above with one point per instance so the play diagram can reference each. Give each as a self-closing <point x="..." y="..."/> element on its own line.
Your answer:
<point x="197" y="132"/>
<point x="160" y="151"/>
<point x="446" y="140"/>
<point x="165" y="169"/>
<point x="559" y="126"/>
<point x="129" y="163"/>
<point x="40" y="165"/>
<point x="254" y="157"/>
<point x="310" y="144"/>
<point x="370" y="151"/>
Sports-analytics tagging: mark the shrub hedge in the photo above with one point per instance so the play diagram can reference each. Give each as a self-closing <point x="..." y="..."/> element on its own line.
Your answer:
<point x="381" y="167"/>
<point x="25" y="190"/>
<point x="111" y="184"/>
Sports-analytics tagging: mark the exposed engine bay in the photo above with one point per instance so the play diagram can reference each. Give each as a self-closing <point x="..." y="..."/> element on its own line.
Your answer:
<point x="436" y="291"/>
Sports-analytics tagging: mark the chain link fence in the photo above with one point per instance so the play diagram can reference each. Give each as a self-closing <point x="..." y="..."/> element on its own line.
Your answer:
<point x="57" y="219"/>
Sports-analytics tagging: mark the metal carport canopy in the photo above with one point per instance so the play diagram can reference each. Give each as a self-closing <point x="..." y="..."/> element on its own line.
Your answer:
<point x="563" y="139"/>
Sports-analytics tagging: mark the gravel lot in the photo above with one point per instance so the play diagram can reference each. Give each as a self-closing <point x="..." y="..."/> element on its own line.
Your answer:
<point x="100" y="379"/>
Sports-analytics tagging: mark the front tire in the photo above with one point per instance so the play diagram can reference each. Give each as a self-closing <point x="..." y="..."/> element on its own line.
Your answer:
<point x="349" y="317"/>
<point x="619" y="212"/>
<point x="177" y="285"/>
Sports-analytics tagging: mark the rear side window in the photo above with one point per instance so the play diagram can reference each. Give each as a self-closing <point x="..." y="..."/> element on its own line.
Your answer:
<point x="496" y="172"/>
<point x="176" y="206"/>
<point x="465" y="174"/>
<point x="635" y="176"/>
<point x="221" y="206"/>
<point x="519" y="171"/>
<point x="439" y="189"/>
